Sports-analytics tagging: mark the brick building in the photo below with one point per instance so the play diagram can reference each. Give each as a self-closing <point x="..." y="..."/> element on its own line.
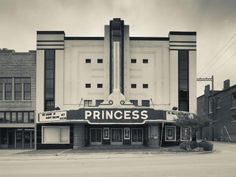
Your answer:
<point x="17" y="98"/>
<point x="220" y="107"/>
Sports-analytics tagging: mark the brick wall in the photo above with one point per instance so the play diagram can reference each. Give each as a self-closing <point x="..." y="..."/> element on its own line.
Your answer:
<point x="13" y="64"/>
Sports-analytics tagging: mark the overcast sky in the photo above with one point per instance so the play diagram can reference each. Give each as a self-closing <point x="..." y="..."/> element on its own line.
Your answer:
<point x="214" y="21"/>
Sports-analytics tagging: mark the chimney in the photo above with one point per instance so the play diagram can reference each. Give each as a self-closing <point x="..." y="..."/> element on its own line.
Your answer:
<point x="226" y="84"/>
<point x="207" y="90"/>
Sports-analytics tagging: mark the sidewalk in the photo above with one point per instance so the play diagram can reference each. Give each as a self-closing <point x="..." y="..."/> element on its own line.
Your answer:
<point x="93" y="150"/>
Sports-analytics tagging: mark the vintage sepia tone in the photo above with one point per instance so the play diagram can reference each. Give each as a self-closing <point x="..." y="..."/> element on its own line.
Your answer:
<point x="117" y="88"/>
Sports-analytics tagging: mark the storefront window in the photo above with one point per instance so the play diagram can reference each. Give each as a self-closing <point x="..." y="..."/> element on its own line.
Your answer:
<point x="170" y="133"/>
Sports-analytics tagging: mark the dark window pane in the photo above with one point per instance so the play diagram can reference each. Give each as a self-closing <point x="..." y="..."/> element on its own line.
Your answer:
<point x="1" y="91"/>
<point x="49" y="93"/>
<point x="31" y="117"/>
<point x="133" y="85"/>
<point x="26" y="117"/>
<point x="99" y="60"/>
<point x="19" y="117"/>
<point x="50" y="54"/>
<point x="183" y="80"/>
<point x="49" y="83"/>
<point x="87" y="60"/>
<point x="18" y="91"/>
<point x="27" y="96"/>
<point x="2" y="117"/>
<point x="87" y="102"/>
<point x="49" y="105"/>
<point x="133" y="61"/>
<point x="8" y="87"/>
<point x="49" y="74"/>
<point x="8" y="117"/>
<point x="145" y="85"/>
<point x="49" y="64"/>
<point x="98" y="102"/>
<point x="145" y="60"/>
<point x="134" y="102"/>
<point x="27" y="91"/>
<point x="146" y="103"/>
<point x="87" y="85"/>
<point x="13" y="117"/>
<point x="99" y="85"/>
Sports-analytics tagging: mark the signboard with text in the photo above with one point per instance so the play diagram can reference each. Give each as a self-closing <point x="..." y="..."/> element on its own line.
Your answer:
<point x="97" y="116"/>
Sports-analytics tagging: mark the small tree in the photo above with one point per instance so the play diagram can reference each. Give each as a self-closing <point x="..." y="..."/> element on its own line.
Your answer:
<point x="195" y="122"/>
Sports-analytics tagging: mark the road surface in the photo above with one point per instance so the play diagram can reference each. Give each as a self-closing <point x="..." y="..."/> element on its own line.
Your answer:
<point x="221" y="163"/>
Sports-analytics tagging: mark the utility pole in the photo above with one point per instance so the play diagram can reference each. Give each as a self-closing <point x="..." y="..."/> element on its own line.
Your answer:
<point x="203" y="79"/>
<point x="211" y="94"/>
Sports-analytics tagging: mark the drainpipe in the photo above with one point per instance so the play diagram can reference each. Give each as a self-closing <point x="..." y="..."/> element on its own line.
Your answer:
<point x="162" y="130"/>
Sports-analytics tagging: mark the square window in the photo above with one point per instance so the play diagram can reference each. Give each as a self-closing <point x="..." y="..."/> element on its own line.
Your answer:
<point x="99" y="85"/>
<point x="134" y="102"/>
<point x="146" y="103"/>
<point x="145" y="60"/>
<point x="87" y="60"/>
<point x="99" y="60"/>
<point x="98" y="102"/>
<point x="87" y="85"/>
<point x="145" y="85"/>
<point x="133" y="60"/>
<point x="87" y="103"/>
<point x="133" y="85"/>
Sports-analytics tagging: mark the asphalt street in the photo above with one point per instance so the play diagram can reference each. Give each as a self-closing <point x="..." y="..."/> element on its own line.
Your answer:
<point x="58" y="163"/>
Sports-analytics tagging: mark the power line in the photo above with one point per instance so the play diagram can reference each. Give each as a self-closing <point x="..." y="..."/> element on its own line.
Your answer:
<point x="214" y="59"/>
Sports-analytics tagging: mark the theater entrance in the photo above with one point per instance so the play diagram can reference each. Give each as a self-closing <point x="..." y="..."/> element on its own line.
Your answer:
<point x="116" y="135"/>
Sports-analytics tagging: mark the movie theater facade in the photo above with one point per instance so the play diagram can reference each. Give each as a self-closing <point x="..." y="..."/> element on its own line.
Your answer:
<point x="114" y="90"/>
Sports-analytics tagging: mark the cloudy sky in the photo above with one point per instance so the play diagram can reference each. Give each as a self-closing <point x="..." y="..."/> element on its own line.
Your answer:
<point x="214" y="21"/>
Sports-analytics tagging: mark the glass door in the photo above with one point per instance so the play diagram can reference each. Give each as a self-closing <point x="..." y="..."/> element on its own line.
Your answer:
<point x="95" y="136"/>
<point x="19" y="138"/>
<point x="11" y="138"/>
<point x="116" y="136"/>
<point x="137" y="135"/>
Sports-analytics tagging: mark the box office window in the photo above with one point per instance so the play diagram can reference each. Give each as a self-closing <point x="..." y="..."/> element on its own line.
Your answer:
<point x="106" y="134"/>
<point x="55" y="135"/>
<point x="170" y="133"/>
<point x="126" y="133"/>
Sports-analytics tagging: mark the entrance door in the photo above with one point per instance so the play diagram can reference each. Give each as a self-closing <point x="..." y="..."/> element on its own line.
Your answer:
<point x="19" y="138"/>
<point x="137" y="135"/>
<point x="116" y="136"/>
<point x="11" y="138"/>
<point x="95" y="136"/>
